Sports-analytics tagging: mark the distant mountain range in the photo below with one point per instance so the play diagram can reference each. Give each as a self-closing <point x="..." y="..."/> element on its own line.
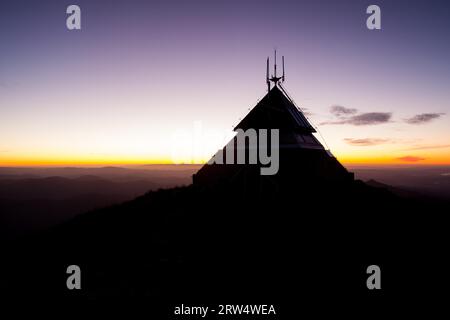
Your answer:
<point x="31" y="201"/>
<point x="58" y="188"/>
<point x="34" y="198"/>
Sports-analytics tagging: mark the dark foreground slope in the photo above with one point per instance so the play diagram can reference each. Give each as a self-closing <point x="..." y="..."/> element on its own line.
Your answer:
<point x="306" y="248"/>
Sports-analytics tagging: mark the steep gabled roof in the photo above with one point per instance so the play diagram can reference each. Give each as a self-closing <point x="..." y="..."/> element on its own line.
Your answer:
<point x="276" y="111"/>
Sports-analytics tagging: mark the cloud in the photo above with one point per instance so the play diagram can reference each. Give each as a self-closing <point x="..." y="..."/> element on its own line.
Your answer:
<point x="370" y="118"/>
<point x="432" y="146"/>
<point x="340" y="111"/>
<point x="410" y="159"/>
<point x="366" y="142"/>
<point x="345" y="115"/>
<point x="364" y="119"/>
<point x="423" y="118"/>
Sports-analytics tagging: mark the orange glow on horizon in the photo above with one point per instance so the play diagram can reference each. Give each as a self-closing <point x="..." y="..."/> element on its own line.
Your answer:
<point x="122" y="160"/>
<point x="386" y="160"/>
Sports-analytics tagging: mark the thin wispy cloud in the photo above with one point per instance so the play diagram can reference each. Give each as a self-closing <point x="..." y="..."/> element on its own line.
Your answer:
<point x="364" y="119"/>
<point x="423" y="118"/>
<point x="432" y="146"/>
<point x="366" y="142"/>
<point x="410" y="159"/>
<point x="370" y="118"/>
<point x="340" y="111"/>
<point x="351" y="116"/>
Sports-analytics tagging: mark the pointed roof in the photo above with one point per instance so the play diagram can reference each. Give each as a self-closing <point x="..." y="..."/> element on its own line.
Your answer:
<point x="301" y="156"/>
<point x="276" y="111"/>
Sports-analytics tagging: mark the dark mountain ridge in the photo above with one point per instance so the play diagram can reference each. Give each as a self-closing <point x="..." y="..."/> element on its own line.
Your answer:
<point x="210" y="244"/>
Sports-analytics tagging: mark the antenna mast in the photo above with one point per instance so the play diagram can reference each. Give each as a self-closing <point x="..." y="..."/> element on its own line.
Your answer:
<point x="274" y="77"/>
<point x="275" y="66"/>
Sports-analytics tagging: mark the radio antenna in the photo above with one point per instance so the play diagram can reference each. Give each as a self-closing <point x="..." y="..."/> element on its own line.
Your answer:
<point x="275" y="64"/>
<point x="274" y="77"/>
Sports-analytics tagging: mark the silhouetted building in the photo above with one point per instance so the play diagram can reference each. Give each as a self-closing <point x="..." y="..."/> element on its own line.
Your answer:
<point x="302" y="158"/>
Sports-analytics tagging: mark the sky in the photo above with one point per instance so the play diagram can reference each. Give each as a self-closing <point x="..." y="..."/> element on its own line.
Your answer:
<point x="165" y="81"/>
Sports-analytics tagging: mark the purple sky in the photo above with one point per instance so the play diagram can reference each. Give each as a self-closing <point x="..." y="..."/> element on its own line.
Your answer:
<point x="141" y="75"/>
